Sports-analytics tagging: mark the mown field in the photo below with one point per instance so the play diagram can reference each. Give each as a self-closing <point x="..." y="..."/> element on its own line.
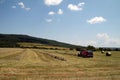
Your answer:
<point x="43" y="64"/>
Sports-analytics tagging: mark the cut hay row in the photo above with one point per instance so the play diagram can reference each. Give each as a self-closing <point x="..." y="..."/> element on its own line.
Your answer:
<point x="13" y="55"/>
<point x="69" y="55"/>
<point x="53" y="56"/>
<point x="44" y="57"/>
<point x="29" y="56"/>
<point x="8" y="51"/>
<point x="66" y="52"/>
<point x="12" y="59"/>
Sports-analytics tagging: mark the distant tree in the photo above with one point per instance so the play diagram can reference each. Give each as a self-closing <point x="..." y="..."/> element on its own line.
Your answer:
<point x="78" y="49"/>
<point x="116" y="49"/>
<point x="101" y="49"/>
<point x="91" y="47"/>
<point x="109" y="49"/>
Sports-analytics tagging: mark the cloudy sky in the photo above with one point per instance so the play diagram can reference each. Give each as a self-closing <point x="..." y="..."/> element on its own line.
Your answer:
<point x="80" y="22"/>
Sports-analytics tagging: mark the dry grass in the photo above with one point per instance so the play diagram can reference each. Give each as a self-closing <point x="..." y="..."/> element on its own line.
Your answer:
<point x="37" y="64"/>
<point x="41" y="46"/>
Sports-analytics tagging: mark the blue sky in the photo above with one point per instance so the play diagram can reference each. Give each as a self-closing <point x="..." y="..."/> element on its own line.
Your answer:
<point x="80" y="22"/>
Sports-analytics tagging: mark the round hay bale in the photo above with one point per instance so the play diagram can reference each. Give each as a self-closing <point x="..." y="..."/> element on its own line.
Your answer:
<point x="102" y="52"/>
<point x="108" y="54"/>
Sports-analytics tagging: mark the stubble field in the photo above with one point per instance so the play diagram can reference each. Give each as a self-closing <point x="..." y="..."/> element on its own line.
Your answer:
<point x="43" y="64"/>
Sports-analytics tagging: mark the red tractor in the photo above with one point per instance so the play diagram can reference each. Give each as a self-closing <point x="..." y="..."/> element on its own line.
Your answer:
<point x="85" y="53"/>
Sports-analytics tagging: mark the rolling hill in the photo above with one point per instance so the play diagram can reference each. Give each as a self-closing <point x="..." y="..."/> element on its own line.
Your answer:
<point x="12" y="40"/>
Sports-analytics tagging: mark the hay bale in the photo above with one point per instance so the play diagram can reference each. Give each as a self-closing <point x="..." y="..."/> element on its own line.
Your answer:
<point x="102" y="52"/>
<point x="108" y="54"/>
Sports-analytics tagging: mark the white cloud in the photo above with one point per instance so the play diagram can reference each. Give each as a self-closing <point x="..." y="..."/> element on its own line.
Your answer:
<point x="102" y="36"/>
<point x="100" y="40"/>
<point x="51" y="13"/>
<point x="14" y="7"/>
<point x="21" y="4"/>
<point x="52" y="2"/>
<point x="105" y="40"/>
<point x="114" y="41"/>
<point x="76" y="7"/>
<point x="81" y="4"/>
<point x="96" y="20"/>
<point x="60" y="11"/>
<point x="92" y="43"/>
<point x="27" y="9"/>
<point x="85" y="43"/>
<point x="49" y="20"/>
